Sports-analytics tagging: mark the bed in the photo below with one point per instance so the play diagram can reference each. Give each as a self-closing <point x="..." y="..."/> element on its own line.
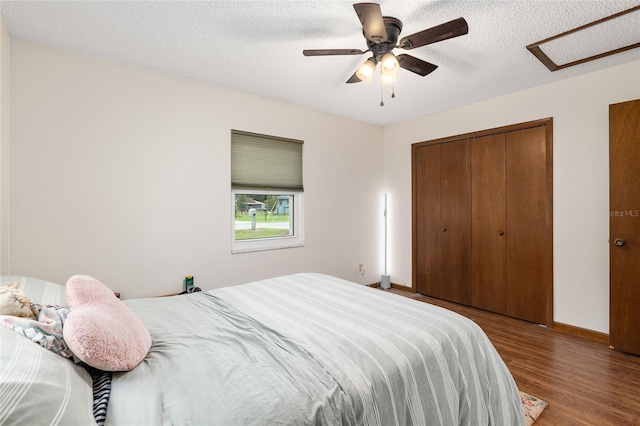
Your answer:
<point x="303" y="349"/>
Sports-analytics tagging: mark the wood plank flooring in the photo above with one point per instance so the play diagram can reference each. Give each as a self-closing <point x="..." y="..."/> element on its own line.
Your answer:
<point x="584" y="382"/>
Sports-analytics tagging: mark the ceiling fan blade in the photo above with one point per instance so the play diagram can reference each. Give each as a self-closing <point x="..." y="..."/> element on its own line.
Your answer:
<point x="445" y="31"/>
<point x="416" y="65"/>
<point x="327" y="52"/>
<point x="372" y="23"/>
<point x="354" y="79"/>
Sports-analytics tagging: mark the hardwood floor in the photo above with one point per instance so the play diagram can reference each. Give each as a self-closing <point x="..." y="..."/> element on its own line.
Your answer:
<point x="584" y="382"/>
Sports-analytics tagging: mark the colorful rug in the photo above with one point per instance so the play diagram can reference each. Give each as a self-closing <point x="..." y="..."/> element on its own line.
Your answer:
<point x="532" y="407"/>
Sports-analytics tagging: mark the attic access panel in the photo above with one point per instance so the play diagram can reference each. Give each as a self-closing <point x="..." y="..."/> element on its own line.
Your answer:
<point x="588" y="42"/>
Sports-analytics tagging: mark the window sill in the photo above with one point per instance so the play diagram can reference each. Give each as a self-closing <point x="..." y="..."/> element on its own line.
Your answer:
<point x="254" y="249"/>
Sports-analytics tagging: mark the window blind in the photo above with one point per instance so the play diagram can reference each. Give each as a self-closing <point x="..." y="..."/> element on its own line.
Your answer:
<point x="265" y="162"/>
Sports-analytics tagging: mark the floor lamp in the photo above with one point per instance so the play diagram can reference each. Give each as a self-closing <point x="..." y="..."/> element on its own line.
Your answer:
<point x="385" y="280"/>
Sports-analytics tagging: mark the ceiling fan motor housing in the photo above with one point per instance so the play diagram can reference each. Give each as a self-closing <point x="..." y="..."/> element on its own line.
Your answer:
<point x="393" y="27"/>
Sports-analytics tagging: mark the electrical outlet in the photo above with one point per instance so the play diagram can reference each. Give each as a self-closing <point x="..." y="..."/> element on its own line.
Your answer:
<point x="361" y="268"/>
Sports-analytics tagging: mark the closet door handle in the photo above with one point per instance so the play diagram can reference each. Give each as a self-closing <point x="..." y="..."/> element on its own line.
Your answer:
<point x="444" y="229"/>
<point x="501" y="233"/>
<point x="618" y="241"/>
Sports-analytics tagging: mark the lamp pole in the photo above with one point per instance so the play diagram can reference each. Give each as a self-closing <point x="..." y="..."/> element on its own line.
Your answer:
<point x="385" y="280"/>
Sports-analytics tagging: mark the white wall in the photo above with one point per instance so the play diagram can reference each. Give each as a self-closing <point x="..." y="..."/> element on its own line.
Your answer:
<point x="123" y="174"/>
<point x="579" y="107"/>
<point x="4" y="148"/>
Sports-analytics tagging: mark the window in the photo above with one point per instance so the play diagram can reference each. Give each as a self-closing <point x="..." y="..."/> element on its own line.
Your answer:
<point x="266" y="191"/>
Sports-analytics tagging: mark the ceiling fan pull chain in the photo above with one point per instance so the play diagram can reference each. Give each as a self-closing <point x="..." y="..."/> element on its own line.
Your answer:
<point x="393" y="91"/>
<point x="381" y="88"/>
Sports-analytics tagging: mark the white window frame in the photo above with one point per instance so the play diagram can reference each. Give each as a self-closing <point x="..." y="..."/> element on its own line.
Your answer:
<point x="270" y="243"/>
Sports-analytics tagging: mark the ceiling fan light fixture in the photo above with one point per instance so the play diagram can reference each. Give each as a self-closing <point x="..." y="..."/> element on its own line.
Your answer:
<point x="389" y="64"/>
<point x="366" y="70"/>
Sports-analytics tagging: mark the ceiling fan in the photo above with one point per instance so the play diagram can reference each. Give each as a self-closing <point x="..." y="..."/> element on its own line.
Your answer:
<point x="381" y="33"/>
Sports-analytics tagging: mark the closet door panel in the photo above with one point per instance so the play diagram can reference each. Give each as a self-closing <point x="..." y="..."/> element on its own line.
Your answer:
<point x="427" y="221"/>
<point x="488" y="240"/>
<point x="527" y="229"/>
<point x="455" y="187"/>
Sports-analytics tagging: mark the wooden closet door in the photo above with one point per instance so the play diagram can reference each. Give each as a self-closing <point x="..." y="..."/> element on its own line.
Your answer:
<point x="624" y="206"/>
<point x="488" y="209"/>
<point x="442" y="236"/>
<point x="527" y="227"/>
<point x="455" y="178"/>
<point x="427" y="220"/>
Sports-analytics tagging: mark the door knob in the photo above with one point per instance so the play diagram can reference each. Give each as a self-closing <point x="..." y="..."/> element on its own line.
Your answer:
<point x="501" y="233"/>
<point x="618" y="241"/>
<point x="444" y="229"/>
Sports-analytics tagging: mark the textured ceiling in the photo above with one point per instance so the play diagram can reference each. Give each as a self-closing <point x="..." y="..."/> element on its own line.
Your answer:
<point x="256" y="46"/>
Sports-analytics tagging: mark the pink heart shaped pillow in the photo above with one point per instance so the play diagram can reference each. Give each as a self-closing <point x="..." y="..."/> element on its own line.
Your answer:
<point x="100" y="329"/>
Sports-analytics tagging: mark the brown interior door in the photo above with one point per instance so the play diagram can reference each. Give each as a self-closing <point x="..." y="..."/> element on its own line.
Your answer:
<point x="624" y="204"/>
<point x="527" y="228"/>
<point x="455" y="178"/>
<point x="488" y="243"/>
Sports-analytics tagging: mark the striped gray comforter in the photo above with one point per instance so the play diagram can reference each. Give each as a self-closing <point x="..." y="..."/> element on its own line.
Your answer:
<point x="310" y="349"/>
<point x="400" y="361"/>
<point x="210" y="364"/>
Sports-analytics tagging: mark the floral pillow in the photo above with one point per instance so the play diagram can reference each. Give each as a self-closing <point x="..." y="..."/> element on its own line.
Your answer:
<point x="45" y="330"/>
